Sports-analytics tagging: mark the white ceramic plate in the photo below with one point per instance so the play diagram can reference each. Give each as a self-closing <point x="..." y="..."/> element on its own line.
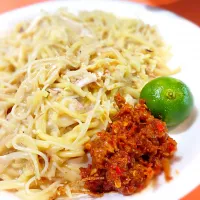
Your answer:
<point x="185" y="40"/>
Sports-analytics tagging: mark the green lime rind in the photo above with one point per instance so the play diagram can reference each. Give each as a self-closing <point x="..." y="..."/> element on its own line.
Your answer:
<point x="169" y="99"/>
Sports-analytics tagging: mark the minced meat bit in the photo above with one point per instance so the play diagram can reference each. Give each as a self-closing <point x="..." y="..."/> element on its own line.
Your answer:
<point x="132" y="151"/>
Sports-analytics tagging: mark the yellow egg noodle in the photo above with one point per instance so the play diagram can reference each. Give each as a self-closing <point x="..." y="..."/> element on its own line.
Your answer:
<point x="59" y="74"/>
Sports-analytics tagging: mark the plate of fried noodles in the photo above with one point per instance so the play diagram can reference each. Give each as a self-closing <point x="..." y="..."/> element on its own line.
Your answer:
<point x="72" y="124"/>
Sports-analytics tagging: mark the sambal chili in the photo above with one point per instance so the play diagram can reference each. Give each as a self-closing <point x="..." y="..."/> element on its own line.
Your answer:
<point x="133" y="150"/>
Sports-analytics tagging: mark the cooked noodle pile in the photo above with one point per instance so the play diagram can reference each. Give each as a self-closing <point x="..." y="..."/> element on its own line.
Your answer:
<point x="59" y="74"/>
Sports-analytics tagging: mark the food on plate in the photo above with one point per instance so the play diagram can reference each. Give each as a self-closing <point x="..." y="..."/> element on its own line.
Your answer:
<point x="59" y="74"/>
<point x="133" y="150"/>
<point x="169" y="99"/>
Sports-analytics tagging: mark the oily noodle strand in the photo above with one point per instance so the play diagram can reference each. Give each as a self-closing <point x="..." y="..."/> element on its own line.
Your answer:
<point x="59" y="74"/>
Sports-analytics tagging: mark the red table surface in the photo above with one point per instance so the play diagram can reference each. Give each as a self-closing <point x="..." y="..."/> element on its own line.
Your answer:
<point x="190" y="9"/>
